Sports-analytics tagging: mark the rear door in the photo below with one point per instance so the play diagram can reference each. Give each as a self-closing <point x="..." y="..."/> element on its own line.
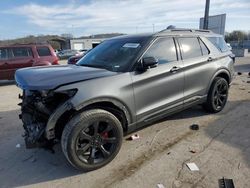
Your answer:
<point x="159" y="90"/>
<point x="19" y="57"/>
<point x="44" y="54"/>
<point x="3" y="63"/>
<point x="198" y="68"/>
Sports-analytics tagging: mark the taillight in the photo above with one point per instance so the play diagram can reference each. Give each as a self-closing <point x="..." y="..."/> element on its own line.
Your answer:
<point x="55" y="62"/>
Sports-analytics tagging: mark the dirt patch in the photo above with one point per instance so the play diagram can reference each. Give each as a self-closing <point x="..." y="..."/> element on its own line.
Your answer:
<point x="128" y="170"/>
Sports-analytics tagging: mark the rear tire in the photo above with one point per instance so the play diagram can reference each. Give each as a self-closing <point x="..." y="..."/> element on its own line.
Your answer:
<point x="92" y="139"/>
<point x="217" y="95"/>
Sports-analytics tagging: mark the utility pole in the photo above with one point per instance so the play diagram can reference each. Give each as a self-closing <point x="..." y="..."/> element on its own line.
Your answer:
<point x="205" y="24"/>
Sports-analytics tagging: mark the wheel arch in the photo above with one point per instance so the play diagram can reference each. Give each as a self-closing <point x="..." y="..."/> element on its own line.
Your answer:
<point x="223" y="73"/>
<point x="65" y="112"/>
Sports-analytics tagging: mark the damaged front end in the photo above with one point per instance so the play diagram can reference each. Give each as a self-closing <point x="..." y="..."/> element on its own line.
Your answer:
<point x="37" y="107"/>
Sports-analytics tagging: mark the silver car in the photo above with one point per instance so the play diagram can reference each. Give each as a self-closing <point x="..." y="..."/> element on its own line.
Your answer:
<point x="121" y="85"/>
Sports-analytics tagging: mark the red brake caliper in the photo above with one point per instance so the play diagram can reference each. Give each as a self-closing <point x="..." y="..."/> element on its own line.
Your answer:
<point x="105" y="135"/>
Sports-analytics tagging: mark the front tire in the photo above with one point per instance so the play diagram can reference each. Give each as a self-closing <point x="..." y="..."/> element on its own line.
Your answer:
<point x="217" y="95"/>
<point x="92" y="139"/>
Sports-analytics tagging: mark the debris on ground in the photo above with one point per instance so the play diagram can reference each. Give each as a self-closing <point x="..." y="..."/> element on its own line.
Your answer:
<point x="226" y="183"/>
<point x="168" y="153"/>
<point x="18" y="145"/>
<point x="242" y="88"/>
<point x="194" y="127"/>
<point x="239" y="73"/>
<point x="192" y="166"/>
<point x="134" y="137"/>
<point x="159" y="185"/>
<point x="192" y="151"/>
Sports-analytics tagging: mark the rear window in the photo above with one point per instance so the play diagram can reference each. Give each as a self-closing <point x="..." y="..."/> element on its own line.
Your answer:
<point x="22" y="52"/>
<point x="43" y="51"/>
<point x="190" y="47"/>
<point x="3" y="53"/>
<point x="219" y="43"/>
<point x="204" y="48"/>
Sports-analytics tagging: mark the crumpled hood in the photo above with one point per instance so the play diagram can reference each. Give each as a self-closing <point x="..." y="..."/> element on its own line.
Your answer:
<point x="50" y="77"/>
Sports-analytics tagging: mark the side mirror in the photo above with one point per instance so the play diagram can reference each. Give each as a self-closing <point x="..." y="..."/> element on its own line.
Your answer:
<point x="149" y="62"/>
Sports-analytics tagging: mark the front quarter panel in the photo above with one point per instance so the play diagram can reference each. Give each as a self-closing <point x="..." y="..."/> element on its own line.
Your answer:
<point x="116" y="89"/>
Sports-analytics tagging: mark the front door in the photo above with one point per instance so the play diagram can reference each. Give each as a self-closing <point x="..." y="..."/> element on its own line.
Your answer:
<point x="160" y="89"/>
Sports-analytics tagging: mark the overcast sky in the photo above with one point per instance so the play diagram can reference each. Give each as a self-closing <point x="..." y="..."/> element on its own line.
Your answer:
<point x="85" y="17"/>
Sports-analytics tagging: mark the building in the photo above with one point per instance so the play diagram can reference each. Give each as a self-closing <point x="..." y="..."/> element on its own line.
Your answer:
<point x="85" y="43"/>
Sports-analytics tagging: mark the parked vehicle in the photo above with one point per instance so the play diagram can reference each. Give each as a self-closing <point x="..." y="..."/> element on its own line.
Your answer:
<point x="74" y="59"/>
<point x="65" y="54"/>
<point x="121" y="85"/>
<point x="19" y="56"/>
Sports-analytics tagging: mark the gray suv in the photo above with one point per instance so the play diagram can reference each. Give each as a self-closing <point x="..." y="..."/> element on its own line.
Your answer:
<point x="121" y="85"/>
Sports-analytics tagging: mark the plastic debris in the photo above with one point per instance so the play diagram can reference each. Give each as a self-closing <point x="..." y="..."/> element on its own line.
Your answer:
<point x="192" y="166"/>
<point x="239" y="73"/>
<point x="194" y="127"/>
<point x="192" y="151"/>
<point x="226" y="183"/>
<point x="18" y="145"/>
<point x="134" y="137"/>
<point x="159" y="185"/>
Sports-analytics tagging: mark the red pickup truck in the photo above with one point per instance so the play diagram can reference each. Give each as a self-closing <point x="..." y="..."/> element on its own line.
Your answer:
<point x="14" y="57"/>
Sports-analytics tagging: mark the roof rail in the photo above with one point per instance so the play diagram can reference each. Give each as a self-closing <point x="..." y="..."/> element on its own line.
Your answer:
<point x="183" y="29"/>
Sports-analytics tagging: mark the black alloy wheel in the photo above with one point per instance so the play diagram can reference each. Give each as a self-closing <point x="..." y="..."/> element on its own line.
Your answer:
<point x="217" y="95"/>
<point x="96" y="142"/>
<point x="92" y="139"/>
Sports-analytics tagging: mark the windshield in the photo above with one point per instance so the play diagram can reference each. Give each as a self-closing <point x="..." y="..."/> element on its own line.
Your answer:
<point x="114" y="55"/>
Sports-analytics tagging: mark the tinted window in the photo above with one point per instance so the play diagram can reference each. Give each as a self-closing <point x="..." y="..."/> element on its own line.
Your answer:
<point x="43" y="51"/>
<point x="3" y="53"/>
<point x="163" y="49"/>
<point x="22" y="52"/>
<point x="190" y="47"/>
<point x="204" y="49"/>
<point x="220" y="43"/>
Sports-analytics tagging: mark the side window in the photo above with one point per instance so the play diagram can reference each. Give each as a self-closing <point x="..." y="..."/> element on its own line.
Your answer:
<point x="190" y="47"/>
<point x="219" y="43"/>
<point x="22" y="52"/>
<point x="204" y="49"/>
<point x="3" y="53"/>
<point x="43" y="51"/>
<point x="163" y="49"/>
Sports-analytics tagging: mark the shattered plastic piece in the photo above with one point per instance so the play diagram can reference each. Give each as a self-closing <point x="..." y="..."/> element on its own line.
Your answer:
<point x="159" y="185"/>
<point x="194" y="127"/>
<point x="18" y="145"/>
<point x="192" y="151"/>
<point x="135" y="137"/>
<point x="192" y="166"/>
<point x="226" y="183"/>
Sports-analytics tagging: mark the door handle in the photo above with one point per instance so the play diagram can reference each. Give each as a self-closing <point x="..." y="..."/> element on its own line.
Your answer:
<point x="174" y="69"/>
<point x="210" y="59"/>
